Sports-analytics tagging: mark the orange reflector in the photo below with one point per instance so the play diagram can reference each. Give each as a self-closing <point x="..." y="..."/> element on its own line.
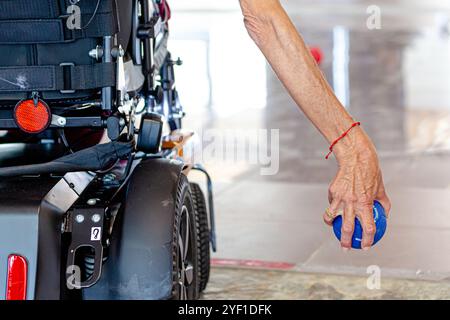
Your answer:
<point x="16" y="286"/>
<point x="32" y="118"/>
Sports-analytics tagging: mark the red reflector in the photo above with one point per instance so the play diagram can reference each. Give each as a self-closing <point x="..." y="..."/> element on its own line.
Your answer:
<point x="16" y="286"/>
<point x="32" y="118"/>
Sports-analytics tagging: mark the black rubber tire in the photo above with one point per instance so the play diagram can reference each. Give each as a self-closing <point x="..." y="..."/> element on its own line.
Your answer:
<point x="203" y="235"/>
<point x="184" y="199"/>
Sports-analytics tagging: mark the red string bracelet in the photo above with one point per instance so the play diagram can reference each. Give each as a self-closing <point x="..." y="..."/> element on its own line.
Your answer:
<point x="340" y="138"/>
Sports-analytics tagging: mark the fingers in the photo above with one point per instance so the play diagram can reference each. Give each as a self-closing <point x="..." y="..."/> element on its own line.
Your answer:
<point x="357" y="200"/>
<point x="383" y="198"/>
<point x="330" y="193"/>
<point x="334" y="210"/>
<point x="348" y="225"/>
<point x="385" y="202"/>
<point x="365" y="215"/>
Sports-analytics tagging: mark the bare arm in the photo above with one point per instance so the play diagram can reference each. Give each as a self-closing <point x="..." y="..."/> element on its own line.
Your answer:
<point x="358" y="182"/>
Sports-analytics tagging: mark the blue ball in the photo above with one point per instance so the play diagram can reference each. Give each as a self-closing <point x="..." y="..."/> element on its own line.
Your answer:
<point x="380" y="221"/>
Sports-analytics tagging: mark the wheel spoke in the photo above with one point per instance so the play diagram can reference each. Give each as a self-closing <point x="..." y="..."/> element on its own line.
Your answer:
<point x="189" y="274"/>
<point x="186" y="269"/>
<point x="181" y="249"/>
<point x="186" y="239"/>
<point x="183" y="292"/>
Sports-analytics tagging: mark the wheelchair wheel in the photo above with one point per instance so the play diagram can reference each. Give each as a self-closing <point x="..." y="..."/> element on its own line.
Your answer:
<point x="203" y="235"/>
<point x="185" y="247"/>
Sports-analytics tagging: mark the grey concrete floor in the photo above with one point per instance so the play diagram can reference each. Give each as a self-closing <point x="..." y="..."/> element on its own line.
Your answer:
<point x="248" y="284"/>
<point x="394" y="80"/>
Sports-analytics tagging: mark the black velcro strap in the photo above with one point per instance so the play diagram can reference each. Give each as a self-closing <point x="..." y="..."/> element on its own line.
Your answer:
<point x="57" y="78"/>
<point x="28" y="9"/>
<point x="54" y="30"/>
<point x="39" y="78"/>
<point x="85" y="76"/>
<point x="31" y="31"/>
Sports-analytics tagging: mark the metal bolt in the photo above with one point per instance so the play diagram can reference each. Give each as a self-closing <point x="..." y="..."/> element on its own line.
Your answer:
<point x="109" y="177"/>
<point x="79" y="218"/>
<point x="96" y="53"/>
<point x="117" y="52"/>
<point x="92" y="202"/>
<point x="121" y="51"/>
<point x="178" y="62"/>
<point x="61" y="121"/>
<point x="96" y="218"/>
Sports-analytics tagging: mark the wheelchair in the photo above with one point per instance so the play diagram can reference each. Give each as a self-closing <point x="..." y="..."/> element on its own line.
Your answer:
<point x="95" y="201"/>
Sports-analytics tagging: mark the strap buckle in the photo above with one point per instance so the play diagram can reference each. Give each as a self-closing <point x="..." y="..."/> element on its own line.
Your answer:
<point x="67" y="77"/>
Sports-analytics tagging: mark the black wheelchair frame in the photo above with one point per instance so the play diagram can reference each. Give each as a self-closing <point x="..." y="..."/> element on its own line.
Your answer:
<point x="132" y="205"/>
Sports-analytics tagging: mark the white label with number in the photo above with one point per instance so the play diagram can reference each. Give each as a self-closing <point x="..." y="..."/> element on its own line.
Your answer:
<point x="96" y="233"/>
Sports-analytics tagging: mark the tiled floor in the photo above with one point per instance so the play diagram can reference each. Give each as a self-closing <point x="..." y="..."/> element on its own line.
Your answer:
<point x="394" y="80"/>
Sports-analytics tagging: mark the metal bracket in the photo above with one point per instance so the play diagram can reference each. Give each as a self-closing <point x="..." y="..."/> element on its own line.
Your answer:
<point x="121" y="85"/>
<point x="71" y="65"/>
<point x="87" y="226"/>
<point x="212" y="218"/>
<point x="58" y="121"/>
<point x="68" y="190"/>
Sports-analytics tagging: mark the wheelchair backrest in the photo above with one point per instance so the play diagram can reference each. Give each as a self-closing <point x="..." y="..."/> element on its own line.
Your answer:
<point x="45" y="47"/>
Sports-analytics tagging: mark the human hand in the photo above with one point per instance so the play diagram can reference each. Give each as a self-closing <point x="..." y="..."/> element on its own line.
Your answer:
<point x="357" y="184"/>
